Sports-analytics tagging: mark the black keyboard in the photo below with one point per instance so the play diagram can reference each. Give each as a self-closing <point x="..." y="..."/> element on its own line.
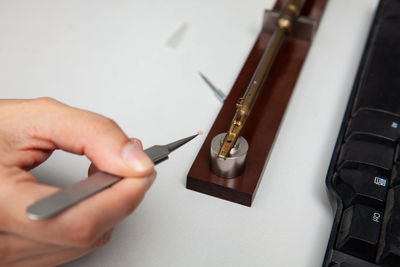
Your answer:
<point x="363" y="179"/>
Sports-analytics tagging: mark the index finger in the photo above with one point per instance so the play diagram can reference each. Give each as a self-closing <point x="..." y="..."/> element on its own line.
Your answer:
<point x="44" y="123"/>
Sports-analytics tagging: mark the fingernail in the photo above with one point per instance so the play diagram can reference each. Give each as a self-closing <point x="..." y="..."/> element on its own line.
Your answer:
<point x="137" y="143"/>
<point x="151" y="180"/>
<point x="135" y="157"/>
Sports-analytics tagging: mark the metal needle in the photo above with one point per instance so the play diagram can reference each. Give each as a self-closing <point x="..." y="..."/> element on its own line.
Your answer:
<point x="220" y="95"/>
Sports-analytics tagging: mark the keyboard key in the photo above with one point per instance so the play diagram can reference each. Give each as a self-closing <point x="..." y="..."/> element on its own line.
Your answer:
<point x="376" y="123"/>
<point x="365" y="185"/>
<point x="362" y="263"/>
<point x="344" y="264"/>
<point x="367" y="150"/>
<point x="395" y="177"/>
<point x="341" y="259"/>
<point x="380" y="87"/>
<point x="359" y="231"/>
<point x="389" y="243"/>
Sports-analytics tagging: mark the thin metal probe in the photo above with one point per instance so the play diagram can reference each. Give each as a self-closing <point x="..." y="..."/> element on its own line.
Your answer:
<point x="218" y="93"/>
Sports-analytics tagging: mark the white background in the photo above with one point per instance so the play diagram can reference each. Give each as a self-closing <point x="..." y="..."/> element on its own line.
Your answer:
<point x="137" y="62"/>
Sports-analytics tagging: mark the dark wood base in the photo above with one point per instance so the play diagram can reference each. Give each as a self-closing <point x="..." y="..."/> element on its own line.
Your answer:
<point x="262" y="125"/>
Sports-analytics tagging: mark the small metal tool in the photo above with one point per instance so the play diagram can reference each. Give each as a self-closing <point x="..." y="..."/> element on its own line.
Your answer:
<point x="69" y="196"/>
<point x="218" y="93"/>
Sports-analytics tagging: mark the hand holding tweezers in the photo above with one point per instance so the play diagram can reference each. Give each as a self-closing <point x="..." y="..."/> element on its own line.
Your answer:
<point x="69" y="196"/>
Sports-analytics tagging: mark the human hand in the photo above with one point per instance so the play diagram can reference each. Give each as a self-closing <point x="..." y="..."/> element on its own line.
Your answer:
<point x="29" y="131"/>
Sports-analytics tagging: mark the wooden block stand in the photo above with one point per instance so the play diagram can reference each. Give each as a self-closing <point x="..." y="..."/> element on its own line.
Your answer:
<point x="263" y="123"/>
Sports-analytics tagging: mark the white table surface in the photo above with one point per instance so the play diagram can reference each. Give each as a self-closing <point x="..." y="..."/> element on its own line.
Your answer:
<point x="137" y="62"/>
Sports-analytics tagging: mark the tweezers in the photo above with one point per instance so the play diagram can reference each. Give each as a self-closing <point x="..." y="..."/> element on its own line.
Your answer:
<point x="69" y="196"/>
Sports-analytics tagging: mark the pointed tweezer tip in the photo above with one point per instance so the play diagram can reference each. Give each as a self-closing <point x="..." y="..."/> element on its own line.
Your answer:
<point x="174" y="145"/>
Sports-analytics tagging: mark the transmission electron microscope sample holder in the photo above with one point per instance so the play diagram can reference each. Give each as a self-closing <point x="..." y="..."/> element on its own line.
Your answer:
<point x="266" y="114"/>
